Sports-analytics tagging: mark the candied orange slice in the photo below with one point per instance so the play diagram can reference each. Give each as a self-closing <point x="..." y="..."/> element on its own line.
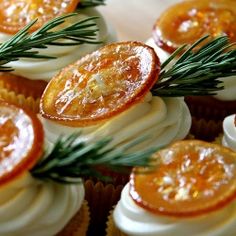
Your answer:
<point x="101" y="84"/>
<point x="21" y="85"/>
<point x="15" y="14"/>
<point x="186" y="22"/>
<point x="191" y="178"/>
<point x="21" y="141"/>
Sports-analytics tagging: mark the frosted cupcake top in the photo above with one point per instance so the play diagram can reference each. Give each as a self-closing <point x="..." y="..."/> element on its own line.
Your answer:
<point x="136" y="221"/>
<point x="29" y="206"/>
<point x="45" y="69"/>
<point x="191" y="20"/>
<point x="33" y="207"/>
<point x="107" y="93"/>
<point x="191" y="189"/>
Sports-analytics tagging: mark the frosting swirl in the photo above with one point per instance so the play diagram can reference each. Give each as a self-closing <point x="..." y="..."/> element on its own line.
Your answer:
<point x="136" y="221"/>
<point x="163" y="120"/>
<point x="229" y="128"/>
<point x="32" y="207"/>
<point x="45" y="69"/>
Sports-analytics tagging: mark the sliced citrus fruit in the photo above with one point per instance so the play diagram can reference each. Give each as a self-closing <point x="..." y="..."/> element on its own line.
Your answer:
<point x="186" y="22"/>
<point x="101" y="84"/>
<point x="21" y="141"/>
<point x="21" y="85"/>
<point x="15" y="14"/>
<point x="191" y="178"/>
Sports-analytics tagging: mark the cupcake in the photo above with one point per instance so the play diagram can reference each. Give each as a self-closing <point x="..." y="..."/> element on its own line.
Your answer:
<point x="191" y="189"/>
<point x="184" y="23"/>
<point x="107" y="94"/>
<point x="32" y="75"/>
<point x="30" y="206"/>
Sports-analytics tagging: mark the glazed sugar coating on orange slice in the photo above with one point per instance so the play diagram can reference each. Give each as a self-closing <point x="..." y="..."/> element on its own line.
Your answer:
<point x="15" y="14"/>
<point x="101" y="85"/>
<point x="186" y="22"/>
<point x="21" y="141"/>
<point x="191" y="178"/>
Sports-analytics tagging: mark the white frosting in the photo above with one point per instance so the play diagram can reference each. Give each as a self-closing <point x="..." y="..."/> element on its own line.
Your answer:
<point x="45" y="69"/>
<point x="229" y="129"/>
<point x="32" y="207"/>
<point x="229" y="92"/>
<point x="136" y="221"/>
<point x="162" y="120"/>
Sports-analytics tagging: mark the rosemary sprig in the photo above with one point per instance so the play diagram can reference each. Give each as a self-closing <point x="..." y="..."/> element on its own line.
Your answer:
<point x="197" y="72"/>
<point x="70" y="160"/>
<point x="23" y="42"/>
<point x="90" y="3"/>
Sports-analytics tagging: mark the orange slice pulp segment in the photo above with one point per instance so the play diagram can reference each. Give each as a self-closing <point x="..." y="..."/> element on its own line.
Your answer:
<point x="101" y="84"/>
<point x="186" y="22"/>
<point x="21" y="141"/>
<point x="15" y="14"/>
<point x="191" y="178"/>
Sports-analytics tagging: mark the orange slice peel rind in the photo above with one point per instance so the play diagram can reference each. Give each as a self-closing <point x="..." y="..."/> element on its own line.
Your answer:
<point x="187" y="21"/>
<point x="101" y="84"/>
<point x="21" y="141"/>
<point x="191" y="178"/>
<point x="15" y="14"/>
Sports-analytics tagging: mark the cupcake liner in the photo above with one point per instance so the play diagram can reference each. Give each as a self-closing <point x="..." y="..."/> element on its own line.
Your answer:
<point x="209" y="108"/>
<point x="21" y="85"/>
<point x="101" y="198"/>
<point x="20" y="100"/>
<point x="206" y="130"/>
<point x="111" y="229"/>
<point x="78" y="225"/>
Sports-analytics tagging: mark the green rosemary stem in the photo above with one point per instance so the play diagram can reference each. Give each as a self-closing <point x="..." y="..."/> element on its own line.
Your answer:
<point x="70" y="159"/>
<point x="197" y="72"/>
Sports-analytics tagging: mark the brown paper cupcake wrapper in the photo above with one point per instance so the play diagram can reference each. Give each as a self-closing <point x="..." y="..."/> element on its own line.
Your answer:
<point x="111" y="229"/>
<point x="78" y="225"/>
<point x="206" y="130"/>
<point x="101" y="198"/>
<point x="20" y="100"/>
<point x="209" y="108"/>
